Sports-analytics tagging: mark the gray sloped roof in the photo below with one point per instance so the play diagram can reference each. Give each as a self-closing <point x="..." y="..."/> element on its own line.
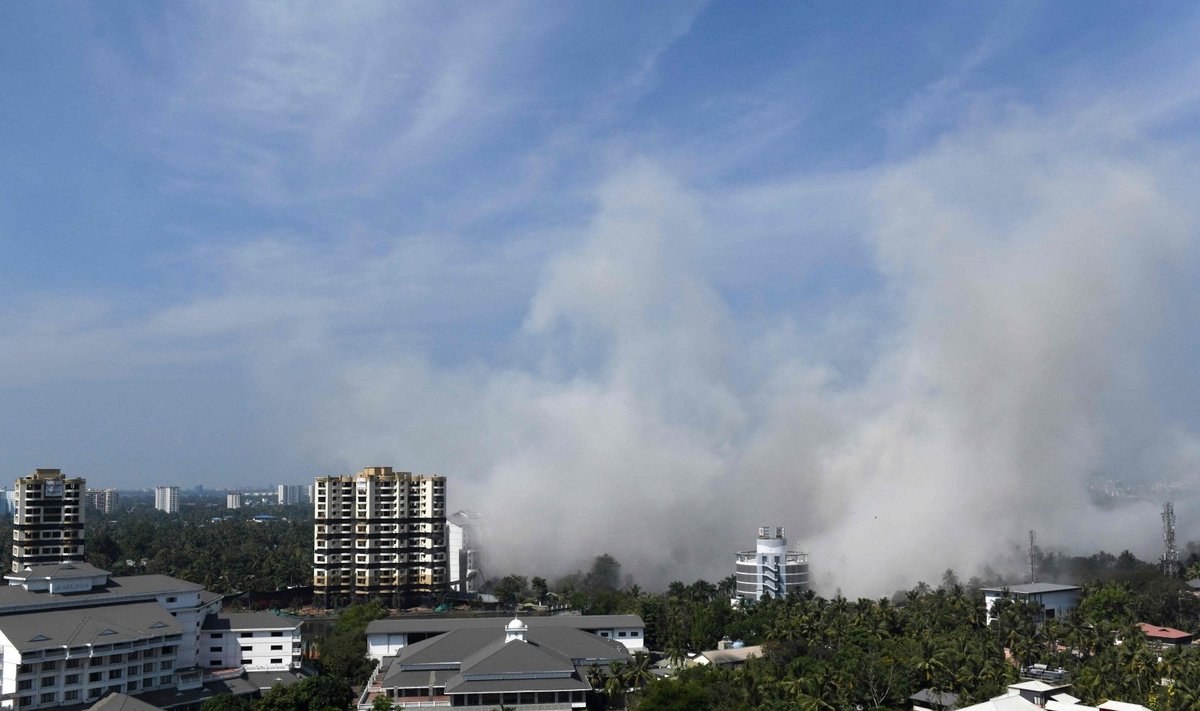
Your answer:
<point x="58" y="571"/>
<point x="459" y="685"/>
<point x="396" y="679"/>
<point x="121" y="702"/>
<point x="249" y="621"/>
<point x="517" y="658"/>
<point x="78" y="627"/>
<point x="427" y="625"/>
<point x="15" y="598"/>
<point x="1032" y="588"/>
<point x="945" y="699"/>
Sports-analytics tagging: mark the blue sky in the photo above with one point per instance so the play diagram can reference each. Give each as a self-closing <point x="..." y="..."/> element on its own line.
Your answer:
<point x="720" y="248"/>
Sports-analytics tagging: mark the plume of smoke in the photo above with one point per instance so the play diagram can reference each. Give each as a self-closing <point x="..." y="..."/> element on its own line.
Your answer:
<point x="1033" y="275"/>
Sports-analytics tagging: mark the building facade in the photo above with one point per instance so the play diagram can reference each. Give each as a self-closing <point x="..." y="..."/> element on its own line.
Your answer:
<point x="379" y="533"/>
<point x="166" y="499"/>
<point x="146" y="635"/>
<point x="770" y="569"/>
<point x="105" y="500"/>
<point x="464" y="557"/>
<point x="48" y="519"/>
<point x="288" y="494"/>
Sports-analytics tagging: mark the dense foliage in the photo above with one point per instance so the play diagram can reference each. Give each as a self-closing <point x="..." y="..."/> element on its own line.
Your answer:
<point x="872" y="654"/>
<point x="228" y="555"/>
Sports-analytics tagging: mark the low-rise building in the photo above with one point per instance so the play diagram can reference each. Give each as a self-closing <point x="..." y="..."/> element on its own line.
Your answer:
<point x="548" y="667"/>
<point x="1055" y="599"/>
<point x="254" y="641"/>
<point x="387" y="637"/>
<point x="71" y="633"/>
<point x="1165" y="636"/>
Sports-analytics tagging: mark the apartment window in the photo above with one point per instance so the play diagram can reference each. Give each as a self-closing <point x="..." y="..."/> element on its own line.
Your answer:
<point x="214" y="649"/>
<point x="24" y="684"/>
<point x="635" y="633"/>
<point x="171" y="599"/>
<point x="72" y="663"/>
<point x="71" y="679"/>
<point x="95" y="676"/>
<point x="147" y="667"/>
<point x="620" y="634"/>
<point x="165" y="680"/>
<point x="131" y="686"/>
<point x="246" y="661"/>
<point x="26" y="702"/>
<point x="276" y="634"/>
<point x="47" y="698"/>
<point x="276" y="647"/>
<point x="114" y="658"/>
<point x="132" y="670"/>
<point x="247" y="650"/>
<point x="47" y="681"/>
<point x="277" y="661"/>
<point x="71" y="695"/>
<point x="49" y="666"/>
<point x="244" y="635"/>
<point x="114" y="673"/>
<point x="25" y="668"/>
<point x="216" y="635"/>
<point x="167" y="664"/>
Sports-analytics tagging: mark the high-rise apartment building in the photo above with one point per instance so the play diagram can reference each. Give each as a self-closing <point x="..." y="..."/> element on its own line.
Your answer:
<point x="103" y="499"/>
<point x="379" y="533"/>
<point x="288" y="494"/>
<point x="463" y="538"/>
<point x="47" y="519"/>
<point x="233" y="500"/>
<point x="771" y="569"/>
<point x="166" y="498"/>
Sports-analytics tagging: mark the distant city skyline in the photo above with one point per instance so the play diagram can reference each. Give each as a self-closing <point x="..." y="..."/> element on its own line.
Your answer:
<point x="617" y="270"/>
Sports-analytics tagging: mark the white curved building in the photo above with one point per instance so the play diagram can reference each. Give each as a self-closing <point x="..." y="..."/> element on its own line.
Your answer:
<point x="770" y="568"/>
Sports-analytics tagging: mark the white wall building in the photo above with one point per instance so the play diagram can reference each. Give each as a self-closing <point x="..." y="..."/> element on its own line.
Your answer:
<point x="288" y="494"/>
<point x="464" y="557"/>
<point x="138" y="634"/>
<point x="166" y="498"/>
<point x="770" y="568"/>
<point x="255" y="641"/>
<point x="1055" y="599"/>
<point x="233" y="500"/>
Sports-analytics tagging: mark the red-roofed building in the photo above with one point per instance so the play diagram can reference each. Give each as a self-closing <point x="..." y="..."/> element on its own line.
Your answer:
<point x="1165" y="635"/>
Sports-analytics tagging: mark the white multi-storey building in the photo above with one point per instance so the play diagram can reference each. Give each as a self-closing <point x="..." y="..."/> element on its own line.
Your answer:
<point x="255" y="641"/>
<point x="48" y="519"/>
<point x="233" y="500"/>
<point x="166" y="498"/>
<point x="70" y="633"/>
<point x="288" y="494"/>
<point x="770" y="569"/>
<point x="106" y="500"/>
<point x="462" y="535"/>
<point x="379" y="533"/>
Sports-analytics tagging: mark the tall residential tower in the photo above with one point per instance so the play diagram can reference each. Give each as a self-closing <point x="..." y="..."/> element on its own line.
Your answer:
<point x="379" y="533"/>
<point x="47" y="519"/>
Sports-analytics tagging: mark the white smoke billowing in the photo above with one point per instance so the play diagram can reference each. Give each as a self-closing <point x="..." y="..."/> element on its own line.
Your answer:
<point x="1030" y="275"/>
